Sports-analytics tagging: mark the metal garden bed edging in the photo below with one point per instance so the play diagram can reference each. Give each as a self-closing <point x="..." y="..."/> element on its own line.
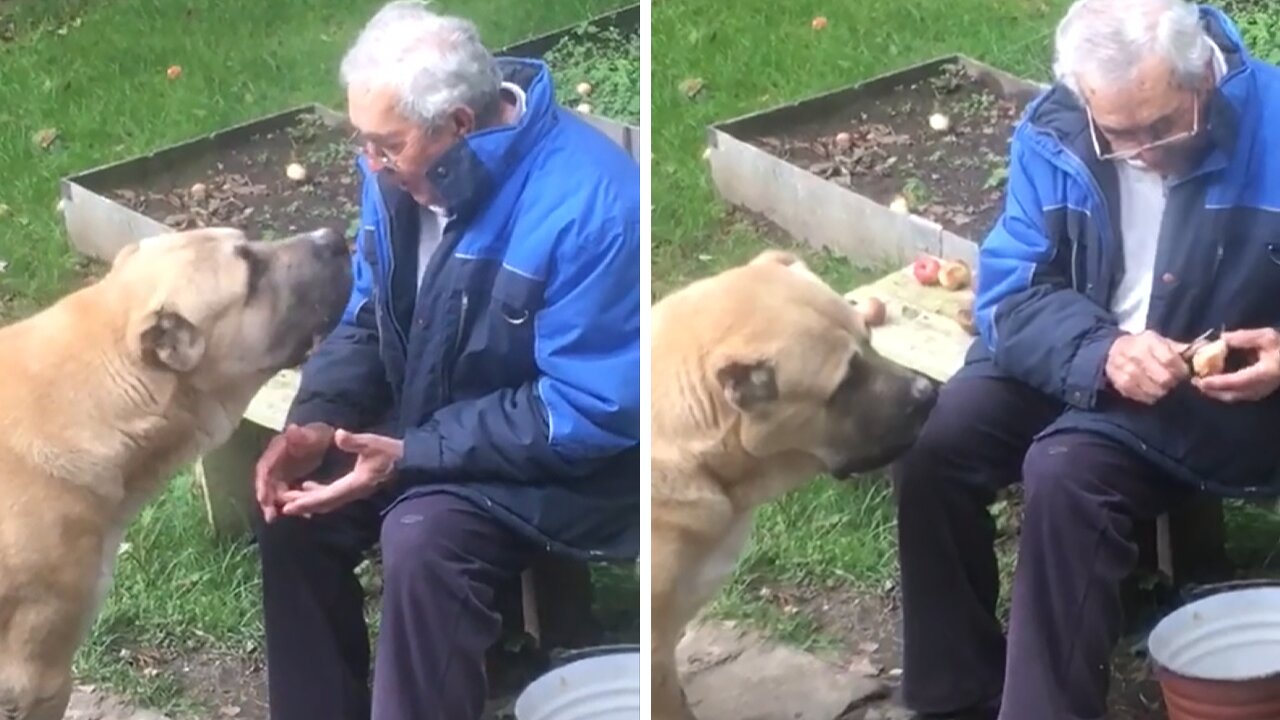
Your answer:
<point x="822" y="213"/>
<point x="99" y="226"/>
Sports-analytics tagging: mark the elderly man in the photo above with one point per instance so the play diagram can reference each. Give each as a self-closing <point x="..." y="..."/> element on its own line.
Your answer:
<point x="1141" y="211"/>
<point x="483" y="388"/>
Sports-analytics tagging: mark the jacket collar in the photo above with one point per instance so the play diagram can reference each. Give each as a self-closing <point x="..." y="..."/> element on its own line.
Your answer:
<point x="471" y="171"/>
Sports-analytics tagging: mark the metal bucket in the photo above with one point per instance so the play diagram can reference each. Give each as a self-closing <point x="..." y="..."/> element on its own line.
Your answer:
<point x="1218" y="657"/>
<point x="593" y="684"/>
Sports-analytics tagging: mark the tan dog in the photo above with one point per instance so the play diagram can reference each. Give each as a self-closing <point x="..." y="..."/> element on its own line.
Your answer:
<point x="763" y="378"/>
<point x="109" y="392"/>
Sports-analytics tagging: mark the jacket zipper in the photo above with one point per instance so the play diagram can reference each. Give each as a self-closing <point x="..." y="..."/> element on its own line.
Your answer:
<point x="446" y="384"/>
<point x="390" y="266"/>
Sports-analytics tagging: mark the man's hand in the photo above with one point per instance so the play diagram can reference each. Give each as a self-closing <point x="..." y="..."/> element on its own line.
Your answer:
<point x="290" y="456"/>
<point x="376" y="456"/>
<point x="1145" y="367"/>
<point x="1255" y="381"/>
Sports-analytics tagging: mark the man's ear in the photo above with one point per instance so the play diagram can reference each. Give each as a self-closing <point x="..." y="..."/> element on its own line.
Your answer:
<point x="169" y="340"/>
<point x="748" y="385"/>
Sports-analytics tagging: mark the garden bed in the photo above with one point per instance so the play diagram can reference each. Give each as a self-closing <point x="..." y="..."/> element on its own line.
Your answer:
<point x="245" y="184"/>
<point x="605" y="62"/>
<point x="909" y="162"/>
<point x="883" y="147"/>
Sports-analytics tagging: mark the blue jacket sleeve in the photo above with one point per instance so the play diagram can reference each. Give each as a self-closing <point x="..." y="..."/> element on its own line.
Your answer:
<point x="584" y="408"/>
<point x="344" y="383"/>
<point x="1039" y="329"/>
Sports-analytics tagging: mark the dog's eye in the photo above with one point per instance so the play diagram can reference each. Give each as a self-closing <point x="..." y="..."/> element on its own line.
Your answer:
<point x="854" y="375"/>
<point x="257" y="267"/>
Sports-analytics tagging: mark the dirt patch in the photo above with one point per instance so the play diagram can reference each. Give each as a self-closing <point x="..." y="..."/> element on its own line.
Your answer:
<point x="228" y="686"/>
<point x="866" y="630"/>
<point x="247" y="185"/>
<point x="884" y="146"/>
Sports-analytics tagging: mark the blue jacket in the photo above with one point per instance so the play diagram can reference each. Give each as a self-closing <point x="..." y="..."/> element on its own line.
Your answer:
<point x="514" y="377"/>
<point x="1050" y="266"/>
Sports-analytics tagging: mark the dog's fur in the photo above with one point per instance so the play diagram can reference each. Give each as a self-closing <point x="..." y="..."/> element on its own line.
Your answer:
<point x="108" y="392"/>
<point x="763" y="378"/>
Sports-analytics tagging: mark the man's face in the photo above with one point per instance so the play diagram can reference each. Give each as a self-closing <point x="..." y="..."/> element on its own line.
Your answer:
<point x="1150" y="118"/>
<point x="400" y="146"/>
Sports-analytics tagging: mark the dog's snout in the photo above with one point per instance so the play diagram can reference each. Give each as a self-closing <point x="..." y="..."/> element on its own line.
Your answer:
<point x="924" y="393"/>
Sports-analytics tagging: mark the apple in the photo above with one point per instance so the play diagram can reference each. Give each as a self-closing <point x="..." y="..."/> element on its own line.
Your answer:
<point x="873" y="311"/>
<point x="1210" y="359"/>
<point x="844" y="140"/>
<point x="954" y="275"/>
<point x="926" y="269"/>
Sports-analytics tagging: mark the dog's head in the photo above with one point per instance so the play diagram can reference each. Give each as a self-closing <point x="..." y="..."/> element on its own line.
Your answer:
<point x="795" y="364"/>
<point x="220" y="310"/>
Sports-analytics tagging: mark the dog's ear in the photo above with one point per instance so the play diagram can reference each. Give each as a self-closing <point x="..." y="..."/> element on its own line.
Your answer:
<point x="748" y="385"/>
<point x="169" y="340"/>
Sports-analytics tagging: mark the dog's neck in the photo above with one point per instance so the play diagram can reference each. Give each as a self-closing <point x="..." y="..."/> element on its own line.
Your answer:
<point x="137" y="426"/>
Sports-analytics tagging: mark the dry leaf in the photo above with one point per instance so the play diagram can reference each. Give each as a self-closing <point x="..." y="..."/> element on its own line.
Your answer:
<point x="45" y="138"/>
<point x="691" y="87"/>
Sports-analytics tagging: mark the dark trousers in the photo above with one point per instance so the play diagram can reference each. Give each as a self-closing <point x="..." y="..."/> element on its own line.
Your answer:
<point x="1083" y="494"/>
<point x="443" y="560"/>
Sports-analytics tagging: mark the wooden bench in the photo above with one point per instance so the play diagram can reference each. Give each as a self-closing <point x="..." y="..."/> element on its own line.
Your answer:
<point x="920" y="333"/>
<point x="225" y="479"/>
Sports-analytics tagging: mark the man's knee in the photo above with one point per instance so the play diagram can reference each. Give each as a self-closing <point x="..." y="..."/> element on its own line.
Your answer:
<point x="953" y="438"/>
<point x="1081" y="478"/>
<point x="429" y="537"/>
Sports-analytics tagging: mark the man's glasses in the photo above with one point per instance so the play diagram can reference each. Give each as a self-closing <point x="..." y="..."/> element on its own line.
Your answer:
<point x="1132" y="152"/>
<point x="372" y="151"/>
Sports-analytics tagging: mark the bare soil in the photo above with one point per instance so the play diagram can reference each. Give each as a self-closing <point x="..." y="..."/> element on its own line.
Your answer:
<point x="882" y="146"/>
<point x="246" y="185"/>
<point x="867" y="633"/>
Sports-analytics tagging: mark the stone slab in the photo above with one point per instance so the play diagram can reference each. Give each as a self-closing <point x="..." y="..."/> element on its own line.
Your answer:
<point x="89" y="703"/>
<point x="733" y="674"/>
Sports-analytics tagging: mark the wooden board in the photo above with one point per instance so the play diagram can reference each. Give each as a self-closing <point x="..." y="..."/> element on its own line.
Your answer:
<point x="919" y="331"/>
<point x="271" y="405"/>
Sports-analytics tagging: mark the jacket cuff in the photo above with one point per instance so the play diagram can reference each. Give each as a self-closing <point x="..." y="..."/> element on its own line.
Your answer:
<point x="337" y="415"/>
<point x="1086" y="376"/>
<point x="423" y="451"/>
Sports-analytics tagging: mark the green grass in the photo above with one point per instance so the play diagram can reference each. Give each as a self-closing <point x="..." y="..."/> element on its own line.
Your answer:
<point x="176" y="591"/>
<point x="95" y="74"/>
<point x="759" y="54"/>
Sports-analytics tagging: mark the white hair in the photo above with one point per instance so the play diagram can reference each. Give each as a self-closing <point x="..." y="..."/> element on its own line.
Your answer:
<point x="435" y="63"/>
<point x="1103" y="41"/>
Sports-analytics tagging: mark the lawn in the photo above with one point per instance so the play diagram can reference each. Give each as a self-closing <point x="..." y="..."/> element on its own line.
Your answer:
<point x="85" y="84"/>
<point x="821" y="566"/>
